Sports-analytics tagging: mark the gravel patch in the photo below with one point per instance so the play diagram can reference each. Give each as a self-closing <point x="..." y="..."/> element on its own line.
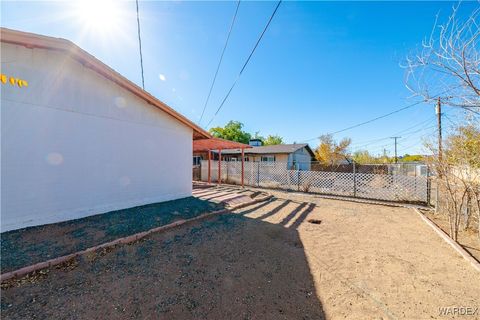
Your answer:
<point x="23" y="247"/>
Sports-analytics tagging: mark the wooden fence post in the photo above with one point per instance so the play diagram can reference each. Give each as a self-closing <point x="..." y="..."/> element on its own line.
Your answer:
<point x="243" y="165"/>
<point x="209" y="166"/>
<point x="219" y="166"/>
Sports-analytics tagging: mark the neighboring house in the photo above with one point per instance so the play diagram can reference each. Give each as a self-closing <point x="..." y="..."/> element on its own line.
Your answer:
<point x="80" y="139"/>
<point x="295" y="156"/>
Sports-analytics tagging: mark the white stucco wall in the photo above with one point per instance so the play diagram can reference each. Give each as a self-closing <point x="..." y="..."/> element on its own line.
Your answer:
<point x="75" y="144"/>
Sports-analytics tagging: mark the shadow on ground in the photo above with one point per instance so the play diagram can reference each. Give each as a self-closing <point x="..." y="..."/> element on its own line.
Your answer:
<point x="227" y="267"/>
<point x="23" y="247"/>
<point x="293" y="218"/>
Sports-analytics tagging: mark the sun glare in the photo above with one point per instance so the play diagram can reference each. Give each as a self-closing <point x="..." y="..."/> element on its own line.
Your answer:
<point x="99" y="16"/>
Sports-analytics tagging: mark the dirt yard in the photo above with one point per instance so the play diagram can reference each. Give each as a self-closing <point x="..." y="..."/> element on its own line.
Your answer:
<point x="373" y="261"/>
<point x="266" y="261"/>
<point x="468" y="239"/>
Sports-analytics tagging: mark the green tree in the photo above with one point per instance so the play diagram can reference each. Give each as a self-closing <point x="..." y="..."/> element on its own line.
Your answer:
<point x="411" y="158"/>
<point x="272" y="140"/>
<point x="232" y="131"/>
<point x="364" y="157"/>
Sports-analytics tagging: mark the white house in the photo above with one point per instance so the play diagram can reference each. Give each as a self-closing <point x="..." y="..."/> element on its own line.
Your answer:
<point x="77" y="138"/>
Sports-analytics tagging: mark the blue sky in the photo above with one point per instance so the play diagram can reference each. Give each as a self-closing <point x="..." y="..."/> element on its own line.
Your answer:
<point x="321" y="66"/>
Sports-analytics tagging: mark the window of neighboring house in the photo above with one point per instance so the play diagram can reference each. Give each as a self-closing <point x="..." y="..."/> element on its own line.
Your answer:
<point x="267" y="159"/>
<point x="231" y="159"/>
<point x="294" y="165"/>
<point x="196" y="160"/>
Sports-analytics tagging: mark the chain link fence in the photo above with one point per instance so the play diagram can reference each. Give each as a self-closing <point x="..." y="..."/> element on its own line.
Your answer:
<point x="389" y="184"/>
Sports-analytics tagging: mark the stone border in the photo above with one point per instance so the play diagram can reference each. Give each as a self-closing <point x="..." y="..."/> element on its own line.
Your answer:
<point x="124" y="240"/>
<point x="458" y="248"/>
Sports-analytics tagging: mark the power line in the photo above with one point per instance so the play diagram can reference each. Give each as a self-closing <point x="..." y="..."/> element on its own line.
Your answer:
<point x="371" y="120"/>
<point x="418" y="138"/>
<point x="140" y="46"/>
<point x="220" y="61"/>
<point x="404" y="131"/>
<point x="409" y="134"/>
<point x="425" y="125"/>
<point x="419" y="130"/>
<point x="385" y="115"/>
<point x="246" y="62"/>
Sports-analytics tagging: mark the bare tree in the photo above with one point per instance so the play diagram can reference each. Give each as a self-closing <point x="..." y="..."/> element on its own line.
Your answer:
<point x="448" y="64"/>
<point x="458" y="178"/>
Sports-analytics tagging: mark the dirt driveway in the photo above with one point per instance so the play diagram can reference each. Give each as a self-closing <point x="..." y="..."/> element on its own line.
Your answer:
<point x="266" y="261"/>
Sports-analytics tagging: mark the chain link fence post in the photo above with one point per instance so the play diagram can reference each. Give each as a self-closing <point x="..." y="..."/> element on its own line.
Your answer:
<point x="298" y="180"/>
<point x="354" y="180"/>
<point x="429" y="186"/>
<point x="258" y="174"/>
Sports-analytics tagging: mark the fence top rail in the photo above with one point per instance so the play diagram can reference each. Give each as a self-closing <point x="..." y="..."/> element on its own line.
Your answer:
<point x="419" y="170"/>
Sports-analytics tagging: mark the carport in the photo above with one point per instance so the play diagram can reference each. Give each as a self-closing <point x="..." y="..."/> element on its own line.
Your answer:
<point x="217" y="145"/>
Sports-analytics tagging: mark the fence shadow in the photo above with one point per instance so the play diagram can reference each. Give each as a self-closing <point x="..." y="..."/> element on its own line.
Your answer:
<point x="303" y="216"/>
<point x="275" y="210"/>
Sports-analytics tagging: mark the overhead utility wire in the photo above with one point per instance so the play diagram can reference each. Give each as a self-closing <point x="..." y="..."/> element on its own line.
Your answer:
<point x="371" y="120"/>
<point x="140" y="46"/>
<point x="416" y="142"/>
<point x="375" y="141"/>
<point x="404" y="137"/>
<point x="383" y="116"/>
<point x="220" y="61"/>
<point x="246" y="62"/>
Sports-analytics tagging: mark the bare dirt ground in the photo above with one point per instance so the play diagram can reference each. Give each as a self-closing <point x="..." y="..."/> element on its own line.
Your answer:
<point x="266" y="261"/>
<point x="468" y="239"/>
<point x="372" y="261"/>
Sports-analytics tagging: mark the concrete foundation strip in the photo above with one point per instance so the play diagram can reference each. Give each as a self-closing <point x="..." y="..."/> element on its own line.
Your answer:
<point x="125" y="240"/>
<point x="458" y="248"/>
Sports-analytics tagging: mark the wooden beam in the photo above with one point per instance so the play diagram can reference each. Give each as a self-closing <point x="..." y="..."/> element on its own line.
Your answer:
<point x="219" y="166"/>
<point x="243" y="166"/>
<point x="209" y="166"/>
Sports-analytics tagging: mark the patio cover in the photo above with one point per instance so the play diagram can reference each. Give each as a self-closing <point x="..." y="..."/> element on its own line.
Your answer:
<point x="205" y="145"/>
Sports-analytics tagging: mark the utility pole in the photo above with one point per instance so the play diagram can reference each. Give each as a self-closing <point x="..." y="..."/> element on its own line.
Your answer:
<point x="438" y="111"/>
<point x="395" y="138"/>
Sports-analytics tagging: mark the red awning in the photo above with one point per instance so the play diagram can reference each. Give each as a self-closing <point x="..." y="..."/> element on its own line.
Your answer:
<point x="204" y="145"/>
